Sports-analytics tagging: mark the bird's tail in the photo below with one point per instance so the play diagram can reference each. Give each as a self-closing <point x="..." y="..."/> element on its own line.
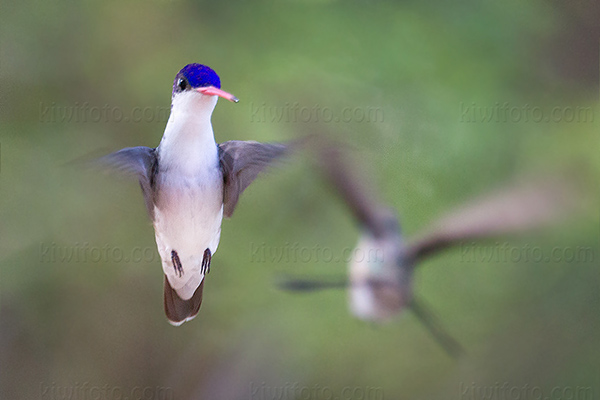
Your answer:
<point x="178" y="310"/>
<point x="429" y="320"/>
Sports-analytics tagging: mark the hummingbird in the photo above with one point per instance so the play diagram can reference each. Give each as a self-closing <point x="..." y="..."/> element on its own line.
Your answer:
<point x="381" y="270"/>
<point x="189" y="183"/>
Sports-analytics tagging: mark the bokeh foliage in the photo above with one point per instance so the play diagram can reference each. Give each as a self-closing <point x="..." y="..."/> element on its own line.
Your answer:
<point x="419" y="64"/>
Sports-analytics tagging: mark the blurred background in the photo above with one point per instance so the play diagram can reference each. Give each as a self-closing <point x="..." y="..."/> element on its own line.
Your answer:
<point x="443" y="101"/>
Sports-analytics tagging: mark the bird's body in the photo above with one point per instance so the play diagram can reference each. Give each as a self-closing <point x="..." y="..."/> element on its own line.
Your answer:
<point x="383" y="262"/>
<point x="188" y="205"/>
<point x="380" y="272"/>
<point x="380" y="283"/>
<point x="379" y="287"/>
<point x="189" y="183"/>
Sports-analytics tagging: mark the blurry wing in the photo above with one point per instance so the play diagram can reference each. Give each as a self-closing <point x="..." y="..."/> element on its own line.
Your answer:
<point x="518" y="208"/>
<point x="293" y="284"/>
<point x="353" y="190"/>
<point x="241" y="163"/>
<point x="136" y="161"/>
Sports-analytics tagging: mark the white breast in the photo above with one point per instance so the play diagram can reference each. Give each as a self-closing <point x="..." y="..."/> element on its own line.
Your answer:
<point x="189" y="192"/>
<point x="188" y="215"/>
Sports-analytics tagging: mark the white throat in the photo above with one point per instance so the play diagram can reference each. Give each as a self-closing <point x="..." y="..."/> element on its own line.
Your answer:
<point x="188" y="144"/>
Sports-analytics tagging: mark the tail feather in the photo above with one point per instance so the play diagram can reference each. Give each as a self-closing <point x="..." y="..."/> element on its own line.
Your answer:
<point x="179" y="311"/>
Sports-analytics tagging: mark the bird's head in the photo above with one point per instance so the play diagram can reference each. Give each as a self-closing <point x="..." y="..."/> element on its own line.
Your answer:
<point x="197" y="85"/>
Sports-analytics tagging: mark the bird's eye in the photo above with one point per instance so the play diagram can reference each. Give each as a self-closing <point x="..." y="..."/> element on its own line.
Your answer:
<point x="182" y="84"/>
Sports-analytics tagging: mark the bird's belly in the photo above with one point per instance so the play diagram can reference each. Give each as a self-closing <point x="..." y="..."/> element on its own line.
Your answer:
<point x="190" y="219"/>
<point x="187" y="220"/>
<point x="379" y="283"/>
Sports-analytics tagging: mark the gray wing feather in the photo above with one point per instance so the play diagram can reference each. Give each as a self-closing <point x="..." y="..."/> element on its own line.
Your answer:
<point x="354" y="191"/>
<point x="137" y="161"/>
<point x="241" y="163"/>
<point x="513" y="209"/>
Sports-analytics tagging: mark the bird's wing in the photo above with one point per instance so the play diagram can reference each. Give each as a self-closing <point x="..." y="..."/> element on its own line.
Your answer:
<point x="310" y="284"/>
<point x="341" y="174"/>
<point x="241" y="163"/>
<point x="513" y="209"/>
<point x="418" y="307"/>
<point x="136" y="161"/>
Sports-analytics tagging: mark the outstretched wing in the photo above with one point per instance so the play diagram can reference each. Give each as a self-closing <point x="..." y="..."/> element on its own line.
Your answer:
<point x="241" y="163"/>
<point x="418" y="307"/>
<point x="517" y="208"/>
<point x="310" y="284"/>
<point x="137" y="161"/>
<point x="353" y="190"/>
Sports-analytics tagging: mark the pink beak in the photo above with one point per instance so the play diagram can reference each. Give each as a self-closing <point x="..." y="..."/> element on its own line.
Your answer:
<point x="213" y="91"/>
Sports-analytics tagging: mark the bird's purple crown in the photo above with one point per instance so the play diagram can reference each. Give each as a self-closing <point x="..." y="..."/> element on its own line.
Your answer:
<point x="198" y="75"/>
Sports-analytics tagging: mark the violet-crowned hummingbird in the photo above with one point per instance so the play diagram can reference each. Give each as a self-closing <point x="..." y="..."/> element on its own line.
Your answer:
<point x="189" y="182"/>
<point x="381" y="270"/>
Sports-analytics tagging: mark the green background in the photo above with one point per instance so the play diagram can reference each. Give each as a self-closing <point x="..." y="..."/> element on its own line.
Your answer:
<point x="72" y="323"/>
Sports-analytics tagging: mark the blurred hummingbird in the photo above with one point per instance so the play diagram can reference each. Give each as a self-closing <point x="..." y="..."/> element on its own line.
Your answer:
<point x="381" y="270"/>
<point x="189" y="182"/>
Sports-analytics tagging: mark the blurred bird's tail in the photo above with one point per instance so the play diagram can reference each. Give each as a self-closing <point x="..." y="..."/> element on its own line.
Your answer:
<point x="178" y="310"/>
<point x="429" y="320"/>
